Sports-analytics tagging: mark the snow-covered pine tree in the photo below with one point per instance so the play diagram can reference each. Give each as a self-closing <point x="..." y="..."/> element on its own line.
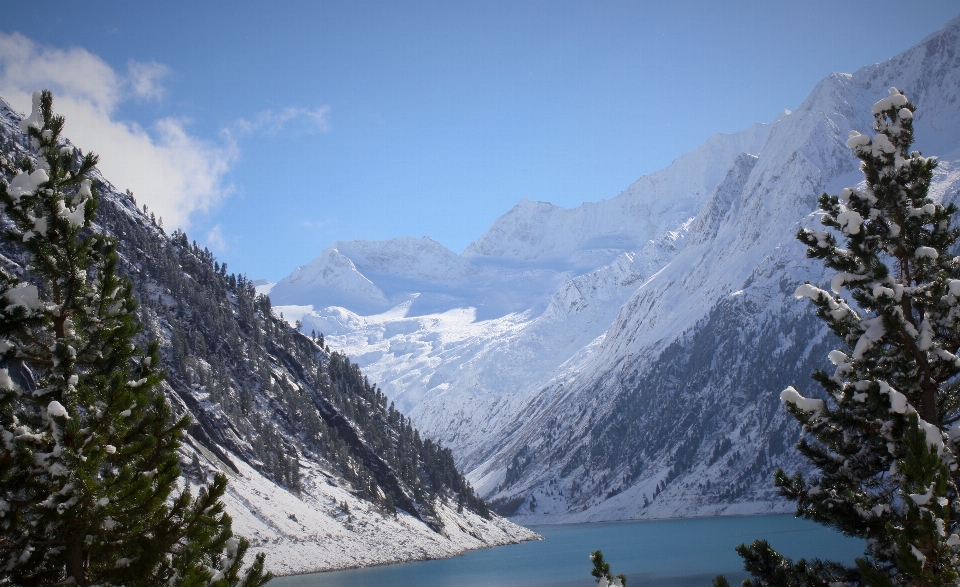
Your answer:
<point x="885" y="440"/>
<point x="88" y="458"/>
<point x="601" y="572"/>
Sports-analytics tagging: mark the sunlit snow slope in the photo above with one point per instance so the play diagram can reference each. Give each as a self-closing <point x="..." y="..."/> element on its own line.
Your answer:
<point x="624" y="358"/>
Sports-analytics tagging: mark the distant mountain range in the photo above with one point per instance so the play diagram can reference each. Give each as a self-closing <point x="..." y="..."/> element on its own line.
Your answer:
<point x="623" y="359"/>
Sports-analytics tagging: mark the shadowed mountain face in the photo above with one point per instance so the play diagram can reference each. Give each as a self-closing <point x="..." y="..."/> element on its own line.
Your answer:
<point x="624" y="358"/>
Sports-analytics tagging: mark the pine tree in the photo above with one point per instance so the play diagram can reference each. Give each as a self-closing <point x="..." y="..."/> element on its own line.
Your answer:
<point x="88" y="460"/>
<point x="884" y="441"/>
<point x="601" y="572"/>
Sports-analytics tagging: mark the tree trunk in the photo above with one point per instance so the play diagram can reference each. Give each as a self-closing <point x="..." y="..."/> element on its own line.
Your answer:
<point x="74" y="559"/>
<point x="928" y="404"/>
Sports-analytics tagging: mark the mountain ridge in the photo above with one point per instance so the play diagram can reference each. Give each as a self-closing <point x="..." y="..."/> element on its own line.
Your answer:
<point x="528" y="395"/>
<point x="752" y="262"/>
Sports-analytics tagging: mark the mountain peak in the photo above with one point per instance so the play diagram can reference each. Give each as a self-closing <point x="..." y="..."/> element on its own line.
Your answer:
<point x="594" y="233"/>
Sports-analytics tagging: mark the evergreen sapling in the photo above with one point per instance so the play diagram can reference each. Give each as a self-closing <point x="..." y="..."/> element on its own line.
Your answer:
<point x="601" y="572"/>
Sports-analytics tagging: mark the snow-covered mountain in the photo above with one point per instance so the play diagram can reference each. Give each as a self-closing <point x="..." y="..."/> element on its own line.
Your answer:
<point x="322" y="474"/>
<point x="451" y="338"/>
<point x="623" y="359"/>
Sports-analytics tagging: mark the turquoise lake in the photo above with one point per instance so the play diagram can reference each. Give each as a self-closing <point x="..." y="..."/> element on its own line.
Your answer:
<point x="655" y="553"/>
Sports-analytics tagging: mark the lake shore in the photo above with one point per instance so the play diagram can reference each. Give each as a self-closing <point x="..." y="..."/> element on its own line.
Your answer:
<point x="655" y="553"/>
<point x="363" y="543"/>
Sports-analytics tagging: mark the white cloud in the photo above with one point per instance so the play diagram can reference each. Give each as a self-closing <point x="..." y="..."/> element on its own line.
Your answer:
<point x="28" y="67"/>
<point x="216" y="240"/>
<point x="145" y="79"/>
<point x="174" y="173"/>
<point x="316" y="223"/>
<point x="273" y="121"/>
<point x="319" y="117"/>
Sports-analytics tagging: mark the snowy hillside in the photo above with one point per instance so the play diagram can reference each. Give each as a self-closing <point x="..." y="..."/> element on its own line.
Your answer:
<point x="314" y="531"/>
<point x="323" y="474"/>
<point x="624" y="358"/>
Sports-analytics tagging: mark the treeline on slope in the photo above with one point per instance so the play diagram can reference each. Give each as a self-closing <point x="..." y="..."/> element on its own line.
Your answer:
<point x="423" y="465"/>
<point x="259" y="388"/>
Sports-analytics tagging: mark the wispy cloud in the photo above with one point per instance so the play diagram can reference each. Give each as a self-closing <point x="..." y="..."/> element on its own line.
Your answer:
<point x="175" y="173"/>
<point x="145" y="79"/>
<point x="216" y="240"/>
<point x="316" y="223"/>
<point x="274" y="121"/>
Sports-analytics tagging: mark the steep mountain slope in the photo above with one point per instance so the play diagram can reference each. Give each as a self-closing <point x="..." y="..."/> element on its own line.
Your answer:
<point x="631" y="365"/>
<point x="318" y="460"/>
<point x="676" y="411"/>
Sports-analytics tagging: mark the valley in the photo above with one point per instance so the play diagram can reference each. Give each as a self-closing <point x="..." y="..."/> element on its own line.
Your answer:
<point x="623" y="359"/>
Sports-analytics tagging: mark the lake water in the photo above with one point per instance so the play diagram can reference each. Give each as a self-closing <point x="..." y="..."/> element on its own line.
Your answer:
<point x="655" y="553"/>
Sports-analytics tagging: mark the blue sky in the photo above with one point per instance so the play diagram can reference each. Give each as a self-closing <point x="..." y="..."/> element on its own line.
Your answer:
<point x="271" y="130"/>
